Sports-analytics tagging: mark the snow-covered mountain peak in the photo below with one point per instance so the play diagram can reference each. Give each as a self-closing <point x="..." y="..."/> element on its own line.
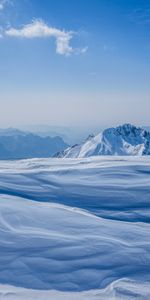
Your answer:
<point x="91" y="136"/>
<point x="130" y="130"/>
<point x="125" y="130"/>
<point x="122" y="140"/>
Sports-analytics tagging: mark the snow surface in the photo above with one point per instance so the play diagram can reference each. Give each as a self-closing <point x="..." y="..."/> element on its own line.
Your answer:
<point x="118" y="290"/>
<point x="110" y="187"/>
<point x="122" y="140"/>
<point x="75" y="228"/>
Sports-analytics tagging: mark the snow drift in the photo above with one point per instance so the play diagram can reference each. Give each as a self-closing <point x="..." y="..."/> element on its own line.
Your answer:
<point x="93" y="246"/>
<point x="114" y="188"/>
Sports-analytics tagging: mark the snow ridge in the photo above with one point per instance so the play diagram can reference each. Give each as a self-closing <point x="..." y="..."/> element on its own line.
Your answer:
<point x="122" y="140"/>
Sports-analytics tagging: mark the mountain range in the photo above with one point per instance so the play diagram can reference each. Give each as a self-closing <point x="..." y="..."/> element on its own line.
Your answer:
<point x="125" y="140"/>
<point x="17" y="144"/>
<point x="122" y="140"/>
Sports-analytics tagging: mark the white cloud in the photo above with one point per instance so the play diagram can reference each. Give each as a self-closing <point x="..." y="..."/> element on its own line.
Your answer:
<point x="39" y="29"/>
<point x="62" y="44"/>
<point x="3" y="3"/>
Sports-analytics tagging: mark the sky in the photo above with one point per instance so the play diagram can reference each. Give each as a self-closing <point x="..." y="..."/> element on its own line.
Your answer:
<point x="74" y="62"/>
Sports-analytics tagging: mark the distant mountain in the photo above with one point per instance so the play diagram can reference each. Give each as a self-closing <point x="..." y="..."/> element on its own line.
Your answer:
<point x="47" y="130"/>
<point x="16" y="144"/>
<point x="11" y="132"/>
<point x="122" y="140"/>
<point x="71" y="135"/>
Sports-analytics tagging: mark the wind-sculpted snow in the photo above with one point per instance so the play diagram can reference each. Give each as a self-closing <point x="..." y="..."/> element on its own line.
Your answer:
<point x="111" y="188"/>
<point x="86" y="235"/>
<point x="49" y="246"/>
<point x="118" y="290"/>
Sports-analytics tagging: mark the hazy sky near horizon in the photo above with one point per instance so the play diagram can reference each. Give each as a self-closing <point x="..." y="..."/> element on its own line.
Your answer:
<point x="68" y="62"/>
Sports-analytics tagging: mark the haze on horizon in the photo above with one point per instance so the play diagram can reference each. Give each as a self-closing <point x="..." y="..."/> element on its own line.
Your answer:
<point x="71" y="63"/>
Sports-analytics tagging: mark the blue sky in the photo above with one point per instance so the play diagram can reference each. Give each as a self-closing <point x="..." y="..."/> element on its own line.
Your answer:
<point x="74" y="63"/>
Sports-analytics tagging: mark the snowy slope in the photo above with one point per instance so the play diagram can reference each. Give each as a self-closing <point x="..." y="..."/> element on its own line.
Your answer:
<point x="87" y="236"/>
<point x="48" y="246"/>
<point x="118" y="290"/>
<point x="108" y="187"/>
<point x="122" y="140"/>
<point x="51" y="246"/>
